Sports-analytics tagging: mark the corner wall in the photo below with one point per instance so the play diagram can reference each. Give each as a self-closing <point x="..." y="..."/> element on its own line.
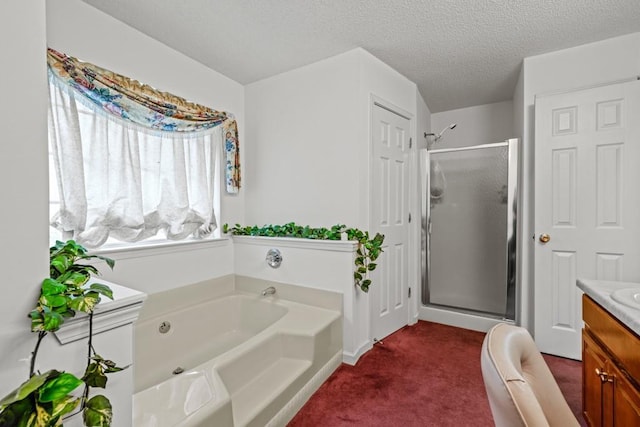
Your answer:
<point x="24" y="254"/>
<point x="302" y="145"/>
<point x="423" y="125"/>
<point x="309" y="142"/>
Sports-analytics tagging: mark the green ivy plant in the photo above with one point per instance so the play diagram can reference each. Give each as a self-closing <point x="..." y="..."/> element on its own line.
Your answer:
<point x="45" y="398"/>
<point x="369" y="249"/>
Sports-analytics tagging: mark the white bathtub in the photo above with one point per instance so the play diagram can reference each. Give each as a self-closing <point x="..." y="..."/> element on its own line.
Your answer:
<point x="246" y="360"/>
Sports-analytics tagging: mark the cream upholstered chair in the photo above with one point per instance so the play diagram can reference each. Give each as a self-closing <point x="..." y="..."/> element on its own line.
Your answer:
<point x="520" y="386"/>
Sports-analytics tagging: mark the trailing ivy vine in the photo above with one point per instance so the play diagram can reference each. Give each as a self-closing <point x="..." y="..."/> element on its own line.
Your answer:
<point x="44" y="399"/>
<point x="369" y="249"/>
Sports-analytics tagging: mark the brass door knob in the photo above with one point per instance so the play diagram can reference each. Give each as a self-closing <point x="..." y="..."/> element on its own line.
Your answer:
<point x="544" y="237"/>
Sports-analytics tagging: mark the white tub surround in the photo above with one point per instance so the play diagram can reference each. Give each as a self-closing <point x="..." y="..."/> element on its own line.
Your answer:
<point x="315" y="264"/>
<point x="234" y="357"/>
<point x="112" y="338"/>
<point x="207" y="330"/>
<point x="600" y="291"/>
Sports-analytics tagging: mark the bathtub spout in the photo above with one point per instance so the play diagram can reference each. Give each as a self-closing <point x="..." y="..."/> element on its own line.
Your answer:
<point x="269" y="291"/>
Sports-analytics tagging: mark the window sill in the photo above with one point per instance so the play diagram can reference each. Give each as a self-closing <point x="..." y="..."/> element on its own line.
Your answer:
<point x="147" y="249"/>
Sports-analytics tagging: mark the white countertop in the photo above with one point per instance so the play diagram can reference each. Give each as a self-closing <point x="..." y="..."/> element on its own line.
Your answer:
<point x="600" y="291"/>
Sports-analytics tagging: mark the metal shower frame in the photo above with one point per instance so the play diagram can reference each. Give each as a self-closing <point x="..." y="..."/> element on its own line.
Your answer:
<point x="511" y="313"/>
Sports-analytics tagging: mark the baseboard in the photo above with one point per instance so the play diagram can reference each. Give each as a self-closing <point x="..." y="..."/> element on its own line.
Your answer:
<point x="352" y="358"/>
<point x="460" y="320"/>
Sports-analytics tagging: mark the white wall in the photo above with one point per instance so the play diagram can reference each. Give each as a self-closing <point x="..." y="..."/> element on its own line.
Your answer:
<point x="24" y="254"/>
<point x="595" y="63"/>
<point x="302" y="162"/>
<point x="481" y="124"/>
<point x="96" y="37"/>
<point x="308" y="139"/>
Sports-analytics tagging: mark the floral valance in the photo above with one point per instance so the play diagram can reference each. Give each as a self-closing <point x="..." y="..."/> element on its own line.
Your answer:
<point x="143" y="105"/>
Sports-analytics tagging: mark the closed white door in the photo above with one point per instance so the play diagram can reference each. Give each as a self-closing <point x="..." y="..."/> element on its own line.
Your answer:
<point x="587" y="203"/>
<point x="390" y="216"/>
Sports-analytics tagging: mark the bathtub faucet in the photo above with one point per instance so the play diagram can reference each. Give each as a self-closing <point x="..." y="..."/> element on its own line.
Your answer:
<point x="269" y="291"/>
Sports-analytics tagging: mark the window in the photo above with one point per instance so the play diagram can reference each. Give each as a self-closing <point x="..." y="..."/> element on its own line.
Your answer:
<point x="114" y="180"/>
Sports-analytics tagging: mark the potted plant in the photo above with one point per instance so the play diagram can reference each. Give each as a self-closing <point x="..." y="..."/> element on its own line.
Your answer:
<point x="44" y="399"/>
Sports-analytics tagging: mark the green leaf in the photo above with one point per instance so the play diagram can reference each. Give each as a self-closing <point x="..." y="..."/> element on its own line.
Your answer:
<point x="109" y="366"/>
<point x="110" y="262"/>
<point x="58" y="387"/>
<point x="85" y="303"/>
<point x="94" y="376"/>
<point x="37" y="321"/>
<point x="51" y="320"/>
<point x="113" y="369"/>
<point x="84" y="269"/>
<point x="61" y="263"/>
<point x="26" y="388"/>
<point x="52" y="287"/>
<point x="21" y="414"/>
<point x="53" y="300"/>
<point x="102" y="289"/>
<point x="43" y="417"/>
<point x="63" y="406"/>
<point x="98" y="412"/>
<point x="74" y="278"/>
<point x="372" y="266"/>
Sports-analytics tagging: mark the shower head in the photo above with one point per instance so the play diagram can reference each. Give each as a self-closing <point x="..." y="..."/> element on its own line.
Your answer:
<point x="451" y="126"/>
<point x="438" y="136"/>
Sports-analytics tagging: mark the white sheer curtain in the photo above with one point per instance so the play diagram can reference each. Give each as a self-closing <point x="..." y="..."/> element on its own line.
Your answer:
<point x="117" y="179"/>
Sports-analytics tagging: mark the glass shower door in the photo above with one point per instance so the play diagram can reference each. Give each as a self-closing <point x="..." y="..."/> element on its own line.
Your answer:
<point x="470" y="229"/>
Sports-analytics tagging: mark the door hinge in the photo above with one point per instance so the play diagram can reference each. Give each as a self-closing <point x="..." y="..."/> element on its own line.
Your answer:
<point x="409" y="296"/>
<point x="409" y="217"/>
<point x="410" y="142"/>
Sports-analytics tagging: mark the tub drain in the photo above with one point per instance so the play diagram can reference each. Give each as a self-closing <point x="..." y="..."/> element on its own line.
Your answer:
<point x="164" y="327"/>
<point x="178" y="371"/>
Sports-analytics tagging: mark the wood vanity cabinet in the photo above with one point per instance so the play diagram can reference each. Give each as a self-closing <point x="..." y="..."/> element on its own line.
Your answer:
<point x="610" y="369"/>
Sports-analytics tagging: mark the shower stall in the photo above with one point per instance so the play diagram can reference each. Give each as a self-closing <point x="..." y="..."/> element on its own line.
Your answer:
<point x="469" y="212"/>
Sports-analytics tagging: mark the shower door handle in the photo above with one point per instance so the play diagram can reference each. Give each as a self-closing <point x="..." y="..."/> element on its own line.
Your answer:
<point x="544" y="237"/>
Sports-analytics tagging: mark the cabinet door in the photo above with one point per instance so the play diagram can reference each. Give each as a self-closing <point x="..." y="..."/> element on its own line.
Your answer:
<point x="593" y="362"/>
<point x="626" y="399"/>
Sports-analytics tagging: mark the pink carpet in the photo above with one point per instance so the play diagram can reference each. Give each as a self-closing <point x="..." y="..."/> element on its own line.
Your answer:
<point x="423" y="375"/>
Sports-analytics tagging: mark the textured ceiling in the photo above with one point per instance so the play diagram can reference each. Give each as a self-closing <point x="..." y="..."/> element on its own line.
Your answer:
<point x="459" y="52"/>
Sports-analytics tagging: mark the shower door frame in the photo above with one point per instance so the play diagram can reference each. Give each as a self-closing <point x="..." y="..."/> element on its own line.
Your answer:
<point x="511" y="231"/>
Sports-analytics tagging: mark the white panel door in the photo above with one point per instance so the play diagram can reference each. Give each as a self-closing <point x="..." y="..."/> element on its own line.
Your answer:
<point x="390" y="213"/>
<point x="587" y="200"/>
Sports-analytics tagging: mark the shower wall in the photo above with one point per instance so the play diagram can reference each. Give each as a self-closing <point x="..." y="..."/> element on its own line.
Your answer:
<point x="480" y="124"/>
